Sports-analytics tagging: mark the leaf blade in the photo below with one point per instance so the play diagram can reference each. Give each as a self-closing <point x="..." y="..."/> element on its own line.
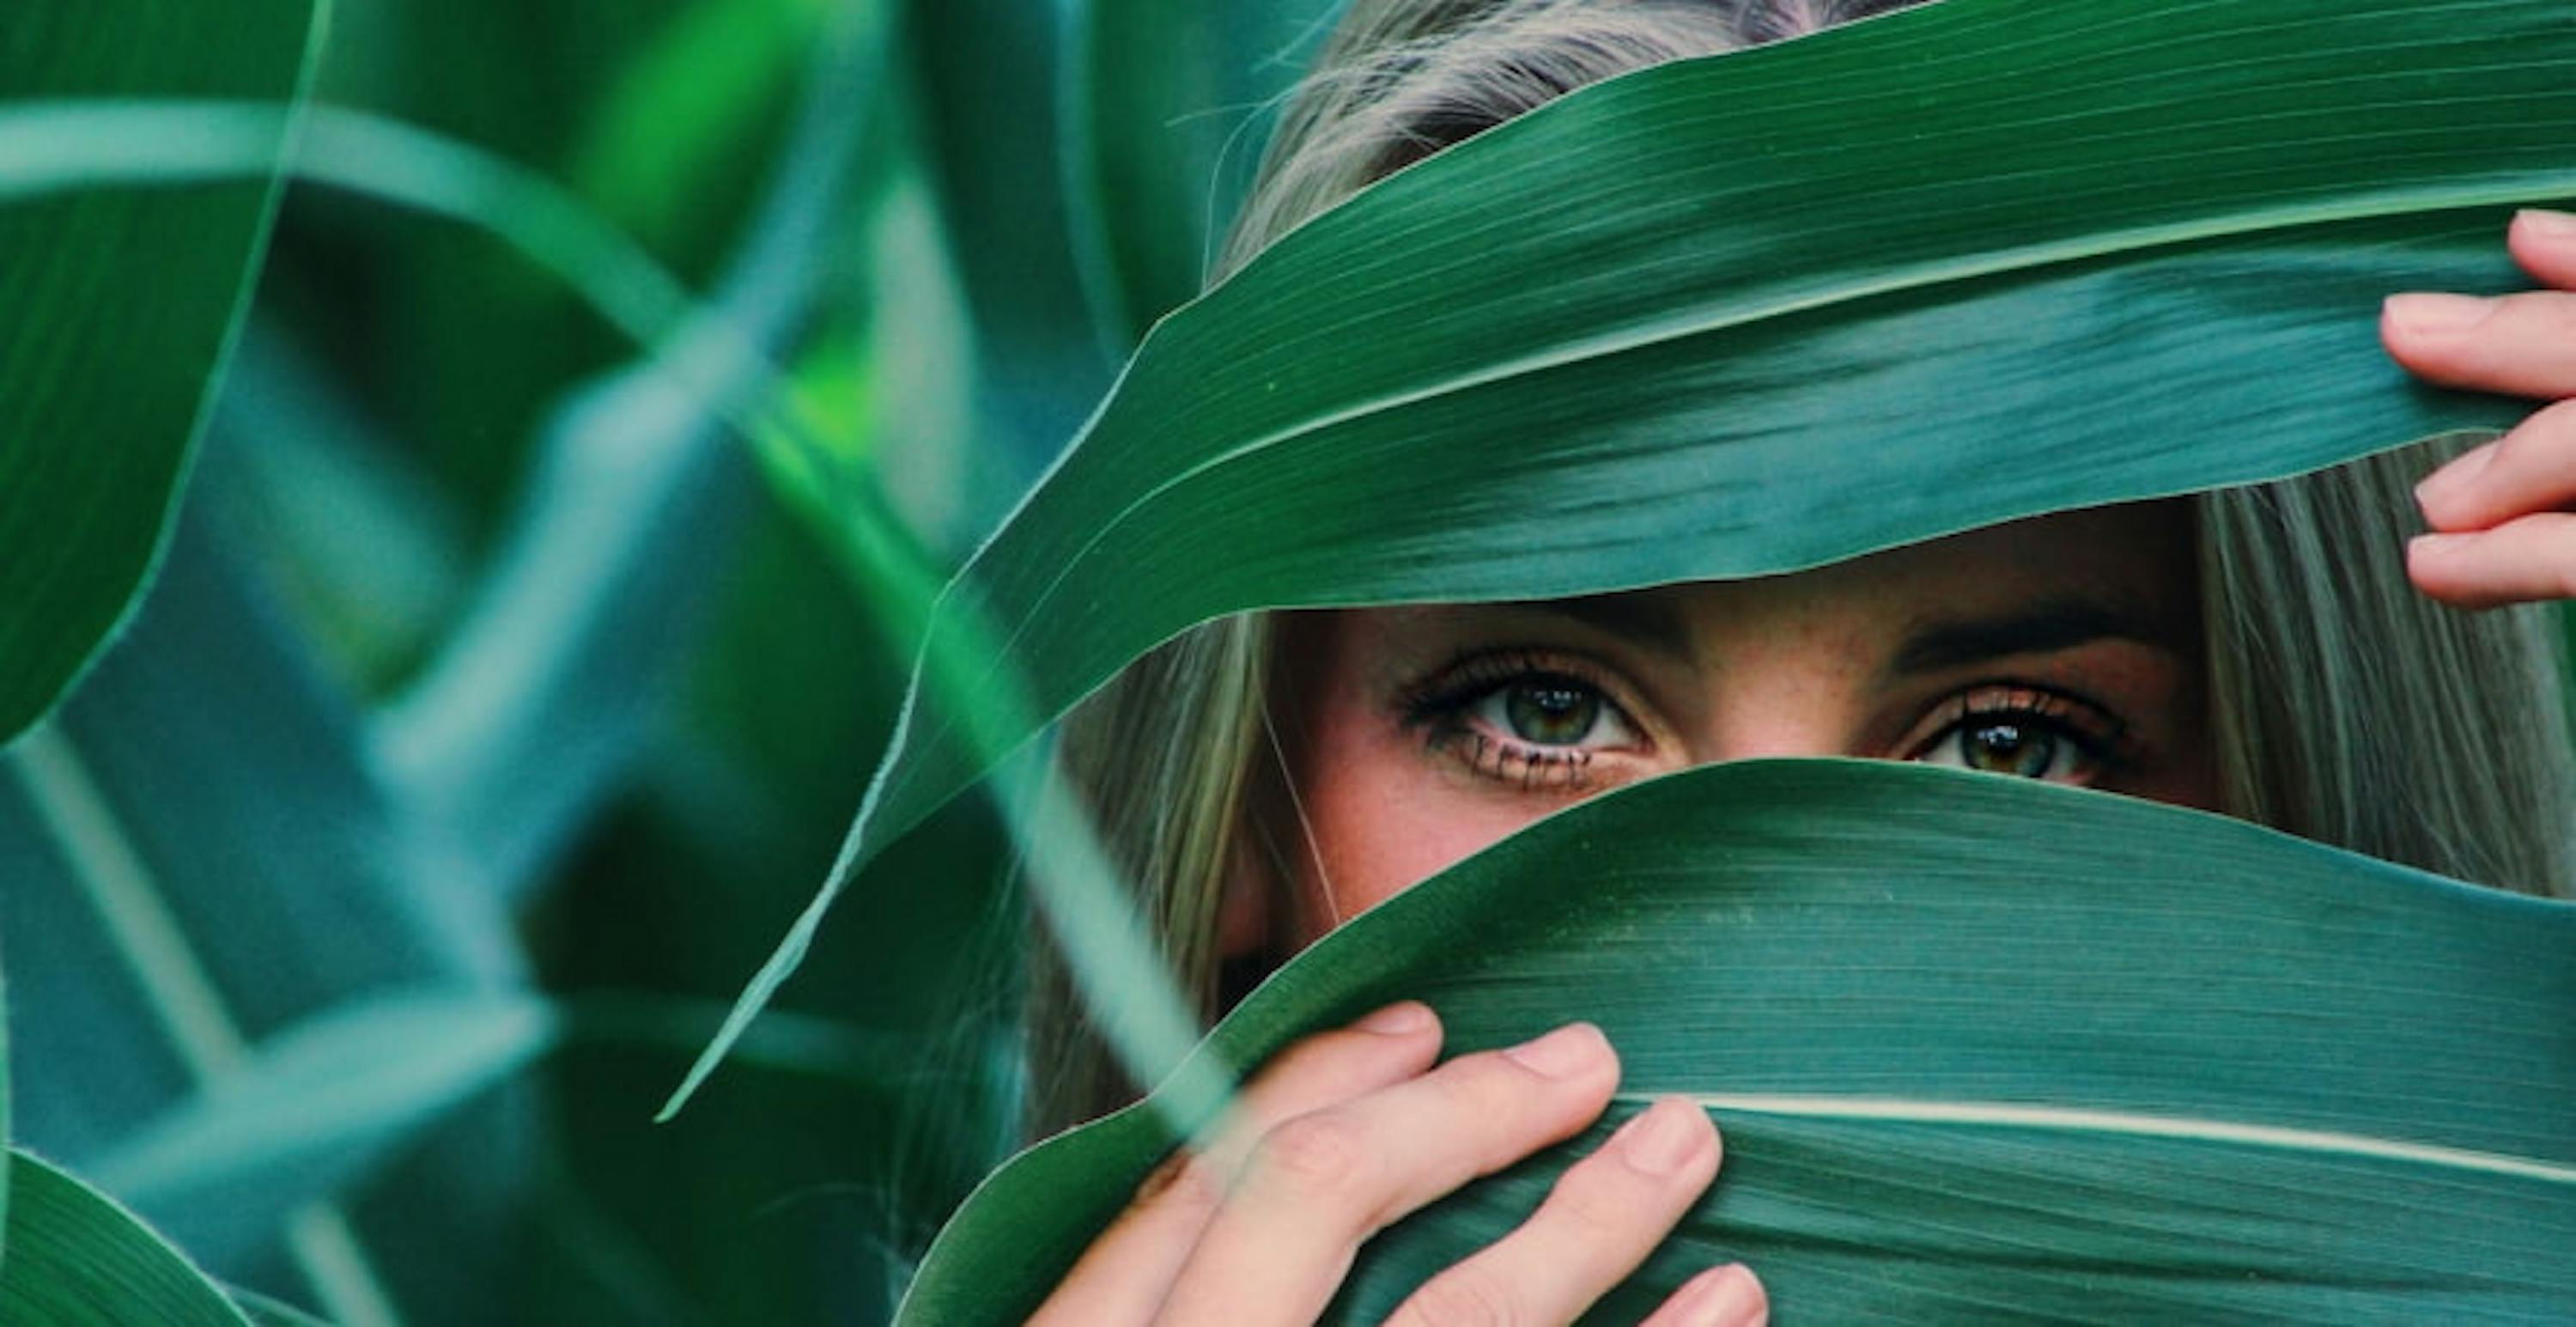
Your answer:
<point x="1413" y="364"/>
<point x="75" y="1256"/>
<point x="1826" y="934"/>
<point x="1601" y="346"/>
<point x="123" y="310"/>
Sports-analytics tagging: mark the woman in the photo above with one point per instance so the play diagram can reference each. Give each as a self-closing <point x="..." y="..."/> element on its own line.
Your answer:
<point x="2277" y="653"/>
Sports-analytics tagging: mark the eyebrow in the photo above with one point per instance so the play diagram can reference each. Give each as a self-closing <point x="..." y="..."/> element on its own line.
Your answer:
<point x="2056" y="624"/>
<point x="1640" y="619"/>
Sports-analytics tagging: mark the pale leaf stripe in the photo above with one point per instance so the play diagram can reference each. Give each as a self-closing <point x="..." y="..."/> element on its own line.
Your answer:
<point x="2007" y="1115"/>
<point x="129" y="901"/>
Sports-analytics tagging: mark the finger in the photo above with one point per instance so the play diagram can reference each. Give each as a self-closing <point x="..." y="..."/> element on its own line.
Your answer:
<point x="2545" y="244"/>
<point x="1719" y="1297"/>
<point x="1126" y="1272"/>
<point x="1384" y="1048"/>
<point x="2531" y="469"/>
<point x="1606" y="1213"/>
<point x="1319" y="1184"/>
<point x="2520" y="345"/>
<point x="2525" y="559"/>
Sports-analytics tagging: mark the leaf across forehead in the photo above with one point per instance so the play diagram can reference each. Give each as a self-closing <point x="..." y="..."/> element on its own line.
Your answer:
<point x="1753" y="313"/>
<point x="1974" y="261"/>
<point x="1957" y="1061"/>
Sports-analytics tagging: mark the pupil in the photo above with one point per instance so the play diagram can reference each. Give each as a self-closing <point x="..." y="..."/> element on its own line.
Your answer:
<point x="1552" y="714"/>
<point x="2008" y="748"/>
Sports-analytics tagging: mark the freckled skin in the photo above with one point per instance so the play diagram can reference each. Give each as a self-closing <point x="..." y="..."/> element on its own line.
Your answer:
<point x="1792" y="665"/>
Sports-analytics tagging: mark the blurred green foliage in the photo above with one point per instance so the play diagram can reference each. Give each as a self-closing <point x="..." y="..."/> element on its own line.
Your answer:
<point x="121" y="303"/>
<point x="508" y="684"/>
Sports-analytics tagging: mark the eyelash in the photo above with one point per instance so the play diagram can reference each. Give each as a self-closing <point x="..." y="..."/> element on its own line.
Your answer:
<point x="2101" y="736"/>
<point x="1439" y="707"/>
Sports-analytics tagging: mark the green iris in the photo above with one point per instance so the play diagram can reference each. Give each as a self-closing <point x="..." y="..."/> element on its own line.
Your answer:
<point x="1552" y="713"/>
<point x="2008" y="748"/>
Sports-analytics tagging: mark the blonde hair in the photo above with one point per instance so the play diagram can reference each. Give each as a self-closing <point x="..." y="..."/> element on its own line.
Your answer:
<point x="2346" y="707"/>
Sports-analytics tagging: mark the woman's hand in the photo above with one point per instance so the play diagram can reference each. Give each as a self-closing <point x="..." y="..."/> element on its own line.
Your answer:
<point x="1347" y="1131"/>
<point x="2503" y="527"/>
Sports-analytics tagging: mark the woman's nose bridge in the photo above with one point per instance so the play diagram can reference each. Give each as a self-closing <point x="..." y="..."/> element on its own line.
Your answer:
<point x="1783" y="668"/>
<point x="1808" y="719"/>
<point x="1775" y="742"/>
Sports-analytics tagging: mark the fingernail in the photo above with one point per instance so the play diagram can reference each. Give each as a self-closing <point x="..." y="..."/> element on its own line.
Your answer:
<point x="1563" y="1053"/>
<point x="2435" y="545"/>
<point x="2435" y="314"/>
<point x="1659" y="1140"/>
<point x="2454" y="478"/>
<point x="1728" y="1296"/>
<point x="2542" y="221"/>
<point x="1401" y="1019"/>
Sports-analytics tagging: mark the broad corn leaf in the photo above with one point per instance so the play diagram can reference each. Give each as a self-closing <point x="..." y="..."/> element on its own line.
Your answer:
<point x="122" y="303"/>
<point x="1965" y="1070"/>
<point x="1757" y="312"/>
<point x="75" y="1256"/>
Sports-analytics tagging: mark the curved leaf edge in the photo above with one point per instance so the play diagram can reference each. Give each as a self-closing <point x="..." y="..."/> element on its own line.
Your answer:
<point x="960" y="628"/>
<point x="957" y="601"/>
<point x="245" y="290"/>
<point x="206" y="1298"/>
<point x="1058" y="1179"/>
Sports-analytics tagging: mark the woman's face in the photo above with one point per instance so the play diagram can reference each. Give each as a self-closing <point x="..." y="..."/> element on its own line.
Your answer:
<point x="2065" y="648"/>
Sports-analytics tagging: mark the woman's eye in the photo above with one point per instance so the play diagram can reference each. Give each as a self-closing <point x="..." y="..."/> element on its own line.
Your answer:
<point x="1550" y="713"/>
<point x="1558" y="712"/>
<point x="1524" y="719"/>
<point x="2026" y="732"/>
<point x="2025" y="746"/>
<point x="2000" y="746"/>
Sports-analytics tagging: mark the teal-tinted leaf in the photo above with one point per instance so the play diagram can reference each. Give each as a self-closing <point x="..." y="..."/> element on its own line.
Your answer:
<point x="535" y="709"/>
<point x="76" y="1259"/>
<point x="984" y="75"/>
<point x="266" y="1312"/>
<point x="320" y="1102"/>
<point x="4" y="1117"/>
<point x="1969" y="262"/>
<point x="707" y="87"/>
<point x="885" y="455"/>
<point x="199" y="845"/>
<point x="367" y="551"/>
<point x="464" y="350"/>
<point x="531" y="714"/>
<point x="121" y="306"/>
<point x="1167" y="106"/>
<point x="1964" y="1071"/>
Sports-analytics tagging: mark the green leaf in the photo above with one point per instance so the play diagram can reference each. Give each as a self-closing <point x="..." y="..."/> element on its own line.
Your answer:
<point x="368" y="553"/>
<point x="207" y="857"/>
<point x="5" y="1135"/>
<point x="701" y="90"/>
<point x="1167" y="105"/>
<point x="540" y="702"/>
<point x="122" y="306"/>
<point x="984" y="75"/>
<point x="75" y="1257"/>
<point x="320" y="1102"/>
<point x="1963" y="1070"/>
<point x="264" y="1311"/>
<point x="1969" y="262"/>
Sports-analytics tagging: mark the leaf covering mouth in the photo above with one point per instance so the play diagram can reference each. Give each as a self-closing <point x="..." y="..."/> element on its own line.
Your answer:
<point x="1955" y="1063"/>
